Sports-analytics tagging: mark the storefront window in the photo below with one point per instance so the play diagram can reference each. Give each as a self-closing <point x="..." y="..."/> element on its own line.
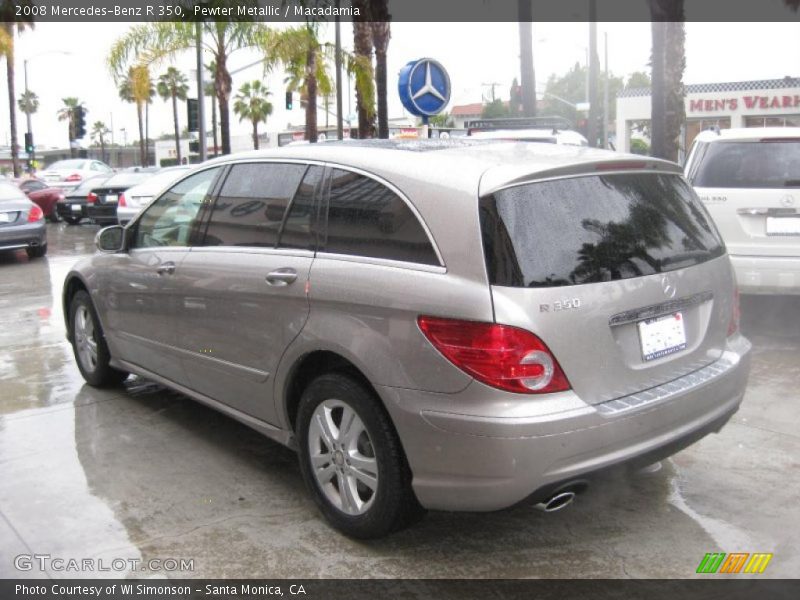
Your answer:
<point x="781" y="121"/>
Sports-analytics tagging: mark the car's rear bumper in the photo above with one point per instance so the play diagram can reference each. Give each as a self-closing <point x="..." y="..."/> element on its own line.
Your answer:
<point x="102" y="213"/>
<point x="23" y="236"/>
<point x="462" y="459"/>
<point x="71" y="209"/>
<point x="767" y="274"/>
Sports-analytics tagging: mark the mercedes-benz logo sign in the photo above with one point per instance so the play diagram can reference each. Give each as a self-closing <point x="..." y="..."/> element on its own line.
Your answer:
<point x="787" y="201"/>
<point x="424" y="87"/>
<point x="669" y="287"/>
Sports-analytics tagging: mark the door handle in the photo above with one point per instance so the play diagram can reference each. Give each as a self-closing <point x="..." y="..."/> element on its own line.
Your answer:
<point x="168" y="268"/>
<point x="282" y="277"/>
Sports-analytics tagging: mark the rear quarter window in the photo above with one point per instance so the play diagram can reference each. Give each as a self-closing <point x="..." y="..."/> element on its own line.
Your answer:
<point x="594" y="228"/>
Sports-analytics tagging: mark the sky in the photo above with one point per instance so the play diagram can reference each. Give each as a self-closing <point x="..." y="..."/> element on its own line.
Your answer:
<point x="69" y="59"/>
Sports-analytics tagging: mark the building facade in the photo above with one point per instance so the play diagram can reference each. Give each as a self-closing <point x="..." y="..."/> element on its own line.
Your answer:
<point x="764" y="103"/>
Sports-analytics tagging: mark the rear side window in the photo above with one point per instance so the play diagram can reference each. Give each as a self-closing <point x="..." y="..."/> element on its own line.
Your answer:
<point x="298" y="228"/>
<point x="594" y="228"/>
<point x="759" y="164"/>
<point x="365" y="218"/>
<point x="252" y="203"/>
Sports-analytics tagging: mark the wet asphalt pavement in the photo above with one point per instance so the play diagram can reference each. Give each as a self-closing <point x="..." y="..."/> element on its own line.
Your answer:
<point x="143" y="473"/>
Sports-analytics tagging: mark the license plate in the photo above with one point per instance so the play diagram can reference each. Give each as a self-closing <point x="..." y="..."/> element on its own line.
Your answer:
<point x="783" y="225"/>
<point x="111" y="198"/>
<point x="77" y="207"/>
<point x="5" y="218"/>
<point x="662" y="336"/>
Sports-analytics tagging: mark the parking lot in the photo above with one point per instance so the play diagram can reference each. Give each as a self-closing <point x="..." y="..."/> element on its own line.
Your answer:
<point x="143" y="473"/>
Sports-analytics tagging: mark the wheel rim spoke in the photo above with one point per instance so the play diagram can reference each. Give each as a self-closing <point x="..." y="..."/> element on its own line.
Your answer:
<point x="85" y="341"/>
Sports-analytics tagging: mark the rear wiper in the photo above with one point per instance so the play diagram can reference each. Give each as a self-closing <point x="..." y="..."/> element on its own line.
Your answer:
<point x="792" y="183"/>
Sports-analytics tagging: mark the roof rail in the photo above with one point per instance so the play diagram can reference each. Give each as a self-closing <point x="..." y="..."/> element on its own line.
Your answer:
<point x="555" y="123"/>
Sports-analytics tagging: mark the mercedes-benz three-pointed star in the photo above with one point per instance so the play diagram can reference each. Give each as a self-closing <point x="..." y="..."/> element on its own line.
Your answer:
<point x="428" y="88"/>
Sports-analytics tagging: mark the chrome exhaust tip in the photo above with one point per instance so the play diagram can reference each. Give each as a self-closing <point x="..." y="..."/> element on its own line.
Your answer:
<point x="556" y="502"/>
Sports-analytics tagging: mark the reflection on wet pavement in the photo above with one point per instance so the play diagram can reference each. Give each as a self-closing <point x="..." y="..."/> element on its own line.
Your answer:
<point x="143" y="473"/>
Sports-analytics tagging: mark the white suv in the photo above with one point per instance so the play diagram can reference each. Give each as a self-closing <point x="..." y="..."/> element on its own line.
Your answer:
<point x="749" y="179"/>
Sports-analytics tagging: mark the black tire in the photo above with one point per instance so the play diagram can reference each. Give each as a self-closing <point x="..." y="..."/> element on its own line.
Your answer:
<point x="100" y="373"/>
<point x="72" y="220"/>
<point x="393" y="505"/>
<point x="36" y="251"/>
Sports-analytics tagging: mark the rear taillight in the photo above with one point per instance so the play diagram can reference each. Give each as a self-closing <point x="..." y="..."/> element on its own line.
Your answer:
<point x="91" y="198"/>
<point x="122" y="201"/>
<point x="35" y="214"/>
<point x="501" y="356"/>
<point x="73" y="177"/>
<point x="736" y="313"/>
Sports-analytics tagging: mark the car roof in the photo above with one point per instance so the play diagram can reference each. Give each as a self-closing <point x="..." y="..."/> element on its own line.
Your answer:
<point x="748" y="133"/>
<point x="470" y="162"/>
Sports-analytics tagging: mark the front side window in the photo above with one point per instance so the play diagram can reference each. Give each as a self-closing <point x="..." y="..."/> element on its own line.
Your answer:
<point x="170" y="219"/>
<point x="252" y="204"/>
<point x="365" y="218"/>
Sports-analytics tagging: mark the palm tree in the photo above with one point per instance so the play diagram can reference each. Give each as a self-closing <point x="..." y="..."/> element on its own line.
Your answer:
<point x="137" y="87"/>
<point x="304" y="58"/>
<point x="149" y="43"/>
<point x="173" y="84"/>
<point x="99" y="133"/>
<point x="67" y="113"/>
<point x="667" y="111"/>
<point x="381" y="33"/>
<point x="28" y="103"/>
<point x="251" y="103"/>
<point x="362" y="47"/>
<point x="10" y="26"/>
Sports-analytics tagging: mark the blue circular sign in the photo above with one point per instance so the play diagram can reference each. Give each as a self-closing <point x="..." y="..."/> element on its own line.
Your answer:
<point x="424" y="87"/>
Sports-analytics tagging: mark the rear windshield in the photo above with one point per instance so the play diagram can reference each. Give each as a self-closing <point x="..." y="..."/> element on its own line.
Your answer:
<point x="594" y="228"/>
<point x="68" y="164"/>
<point x="764" y="164"/>
<point x="126" y="180"/>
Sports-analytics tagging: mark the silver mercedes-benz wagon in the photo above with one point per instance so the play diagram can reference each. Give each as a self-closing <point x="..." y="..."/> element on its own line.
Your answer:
<point x="452" y="325"/>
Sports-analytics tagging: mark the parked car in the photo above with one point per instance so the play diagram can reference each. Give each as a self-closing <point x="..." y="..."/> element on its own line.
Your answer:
<point x="68" y="174"/>
<point x="45" y="196"/>
<point x="455" y="325"/>
<point x="73" y="207"/>
<point x="102" y="200"/>
<point x="132" y="200"/>
<point x="22" y="223"/>
<point x="548" y="130"/>
<point x="749" y="180"/>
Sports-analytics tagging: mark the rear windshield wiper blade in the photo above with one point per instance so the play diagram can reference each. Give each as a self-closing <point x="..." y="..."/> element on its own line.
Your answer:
<point x="792" y="183"/>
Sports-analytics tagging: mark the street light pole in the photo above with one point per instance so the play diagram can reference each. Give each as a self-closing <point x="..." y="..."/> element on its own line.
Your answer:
<point x="32" y="153"/>
<point x="339" y="127"/>
<point x="201" y="112"/>
<point x="605" y="92"/>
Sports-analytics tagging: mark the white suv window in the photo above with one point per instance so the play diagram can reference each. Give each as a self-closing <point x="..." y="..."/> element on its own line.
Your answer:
<point x="767" y="163"/>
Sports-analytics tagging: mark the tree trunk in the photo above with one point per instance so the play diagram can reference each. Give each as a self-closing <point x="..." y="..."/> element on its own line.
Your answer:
<point x="255" y="135"/>
<point x="223" y="83"/>
<point x="527" y="73"/>
<point x="177" y="129"/>
<point x="362" y="46"/>
<point x="668" y="62"/>
<point x="214" y="123"/>
<point x="311" y="92"/>
<point x="12" y="107"/>
<point x="594" y="67"/>
<point x="103" y="149"/>
<point x="147" y="133"/>
<point x="139" y="116"/>
<point x="381" y="34"/>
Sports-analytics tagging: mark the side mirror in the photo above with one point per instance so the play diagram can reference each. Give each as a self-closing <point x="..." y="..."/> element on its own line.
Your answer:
<point x="110" y="239"/>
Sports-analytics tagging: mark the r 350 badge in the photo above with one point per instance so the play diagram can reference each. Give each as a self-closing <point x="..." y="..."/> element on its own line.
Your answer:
<point x="559" y="305"/>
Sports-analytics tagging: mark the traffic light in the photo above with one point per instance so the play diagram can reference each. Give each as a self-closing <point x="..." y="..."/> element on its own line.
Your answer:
<point x="192" y="114"/>
<point x="29" y="142"/>
<point x="288" y="99"/>
<point x="80" y="122"/>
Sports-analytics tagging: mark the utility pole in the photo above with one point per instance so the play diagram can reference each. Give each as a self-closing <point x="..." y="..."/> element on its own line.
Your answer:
<point x="605" y="92"/>
<point x="201" y="113"/>
<point x="491" y="86"/>
<point x="591" y="128"/>
<point x="527" y="74"/>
